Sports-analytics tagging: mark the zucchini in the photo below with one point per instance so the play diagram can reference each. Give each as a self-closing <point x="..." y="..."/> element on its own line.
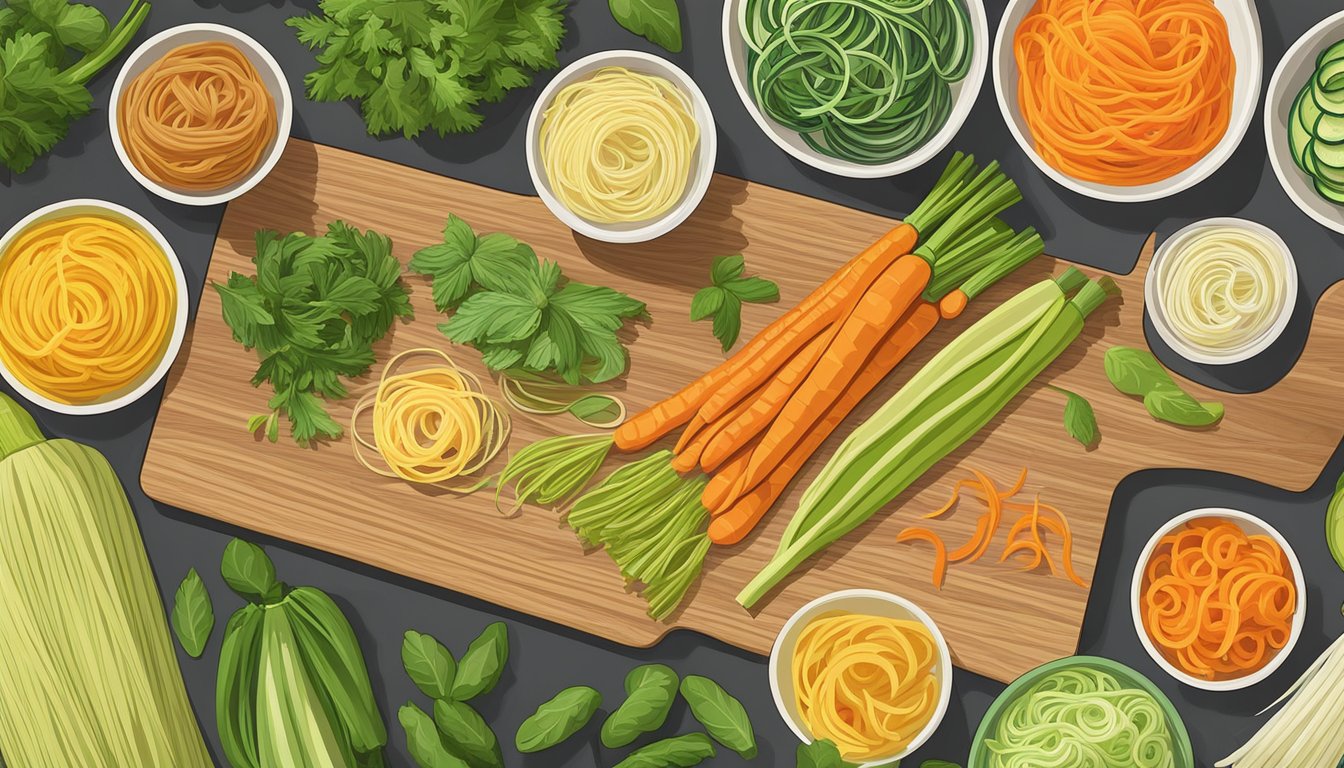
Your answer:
<point x="1329" y="129"/>
<point x="1333" y="53"/>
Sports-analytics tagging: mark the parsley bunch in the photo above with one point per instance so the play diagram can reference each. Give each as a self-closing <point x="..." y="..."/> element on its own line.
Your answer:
<point x="313" y="312"/>
<point x="520" y="312"/>
<point x="48" y="50"/>
<point x="417" y="64"/>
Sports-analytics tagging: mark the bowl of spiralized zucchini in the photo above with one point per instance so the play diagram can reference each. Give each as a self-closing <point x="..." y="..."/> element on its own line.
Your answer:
<point x="854" y="91"/>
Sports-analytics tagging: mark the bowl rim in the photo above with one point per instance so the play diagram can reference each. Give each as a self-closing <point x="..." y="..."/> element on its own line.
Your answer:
<point x="701" y="175"/>
<point x="1299" y="613"/>
<point x="1157" y="311"/>
<point x="813" y="607"/>
<point x="176" y="335"/>
<point x="1014" y="690"/>
<point x="966" y="98"/>
<point x="1206" y="166"/>
<point x="284" y="113"/>
<point x="1272" y="131"/>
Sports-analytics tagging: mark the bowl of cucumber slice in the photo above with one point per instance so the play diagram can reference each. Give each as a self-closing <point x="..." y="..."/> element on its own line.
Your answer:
<point x="1304" y="122"/>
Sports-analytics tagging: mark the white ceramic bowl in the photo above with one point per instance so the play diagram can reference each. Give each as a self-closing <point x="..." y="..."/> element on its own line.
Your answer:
<point x="702" y="167"/>
<point x="870" y="602"/>
<point x="154" y="49"/>
<point x="964" y="95"/>
<point x="1294" y="68"/>
<point x="1243" y="25"/>
<point x="1156" y="310"/>
<point x="136" y="389"/>
<point x="1251" y="525"/>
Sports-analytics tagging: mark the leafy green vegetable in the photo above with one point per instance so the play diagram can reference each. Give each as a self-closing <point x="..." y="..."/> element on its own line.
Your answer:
<point x="723" y="716"/>
<point x="193" y="614"/>
<point x="558" y="719"/>
<point x="1334" y="524"/>
<point x="676" y="752"/>
<point x="482" y="664"/>
<point x="43" y="85"/>
<point x="1137" y="372"/>
<point x="821" y="753"/>
<point x="423" y="740"/>
<point x="428" y="64"/>
<point x="468" y="734"/>
<point x="313" y="312"/>
<point x="659" y="21"/>
<point x="249" y="572"/>
<point x="1176" y="406"/>
<point x="429" y="665"/>
<point x="520" y="312"/>
<point x="1080" y="421"/>
<point x="724" y="298"/>
<point x="650" y="690"/>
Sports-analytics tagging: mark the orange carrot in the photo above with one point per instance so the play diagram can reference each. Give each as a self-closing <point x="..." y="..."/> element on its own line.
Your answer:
<point x="688" y="458"/>
<point x="939" y="550"/>
<point x="953" y="304"/>
<point x="764" y="407"/>
<point x="765" y="351"/>
<point x="725" y="478"/>
<point x="691" y="430"/>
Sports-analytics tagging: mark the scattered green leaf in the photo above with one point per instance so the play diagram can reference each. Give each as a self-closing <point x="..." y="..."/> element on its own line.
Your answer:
<point x="938" y="764"/>
<point x="723" y="300"/>
<point x="1138" y="372"/>
<point x="249" y="572"/>
<point x="424" y="741"/>
<point x="428" y="663"/>
<point x="821" y="753"/>
<point x="193" y="614"/>
<point x="557" y="719"/>
<point x="676" y="752"/>
<point x="1176" y="406"/>
<point x="659" y="21"/>
<point x="467" y="733"/>
<point x="723" y="716"/>
<point x="650" y="690"/>
<point x="482" y="664"/>
<point x="1080" y="421"/>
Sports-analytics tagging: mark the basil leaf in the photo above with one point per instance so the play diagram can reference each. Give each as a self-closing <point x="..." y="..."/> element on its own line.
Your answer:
<point x="482" y="664"/>
<point x="1080" y="421"/>
<point x="595" y="410"/>
<point x="429" y="665"/>
<point x="728" y="321"/>
<point x="722" y="715"/>
<point x="658" y="21"/>
<point x="193" y="614"/>
<point x="558" y="719"/>
<point x="727" y="268"/>
<point x="706" y="302"/>
<point x="821" y="753"/>
<point x="1175" y="406"/>
<point x="468" y="734"/>
<point x="1135" y="371"/>
<point x="249" y="572"/>
<point x="650" y="690"/>
<point x="676" y="752"/>
<point x="756" y="290"/>
<point x="423" y="740"/>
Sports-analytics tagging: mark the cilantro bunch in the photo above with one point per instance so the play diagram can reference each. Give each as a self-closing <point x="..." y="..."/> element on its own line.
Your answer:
<point x="520" y="311"/>
<point x="417" y="64"/>
<point x="313" y="312"/>
<point x="48" y="50"/>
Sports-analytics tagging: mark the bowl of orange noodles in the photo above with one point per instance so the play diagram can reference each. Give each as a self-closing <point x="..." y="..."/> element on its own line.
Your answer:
<point x="93" y="301"/>
<point x="1218" y="599"/>
<point x="862" y="643"/>
<point x="1126" y="100"/>
<point x="200" y="114"/>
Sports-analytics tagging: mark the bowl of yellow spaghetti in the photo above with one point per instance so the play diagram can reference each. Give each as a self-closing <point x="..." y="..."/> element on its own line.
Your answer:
<point x="866" y="670"/>
<point x="94" y="306"/>
<point x="621" y="146"/>
<point x="200" y="114"/>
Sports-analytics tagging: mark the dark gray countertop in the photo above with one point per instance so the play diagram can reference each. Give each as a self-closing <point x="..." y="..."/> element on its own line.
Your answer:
<point x="546" y="657"/>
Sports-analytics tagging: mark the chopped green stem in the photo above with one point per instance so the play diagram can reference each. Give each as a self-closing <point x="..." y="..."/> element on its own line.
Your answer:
<point x="18" y="430"/>
<point x="967" y="257"/>
<point x="1026" y="246"/>
<point x="984" y="197"/>
<point x="945" y="196"/>
<point x="1071" y="280"/>
<point x="1093" y="294"/>
<point x="553" y="470"/>
<point x="97" y="59"/>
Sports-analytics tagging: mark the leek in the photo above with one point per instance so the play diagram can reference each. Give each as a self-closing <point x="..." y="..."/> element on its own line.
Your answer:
<point x="88" y="675"/>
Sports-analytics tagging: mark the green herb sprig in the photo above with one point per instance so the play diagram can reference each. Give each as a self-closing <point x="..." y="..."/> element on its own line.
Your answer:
<point x="723" y="300"/>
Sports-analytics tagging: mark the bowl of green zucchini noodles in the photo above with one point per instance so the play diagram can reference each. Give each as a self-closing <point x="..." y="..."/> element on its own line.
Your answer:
<point x="1082" y="712"/>
<point x="864" y="90"/>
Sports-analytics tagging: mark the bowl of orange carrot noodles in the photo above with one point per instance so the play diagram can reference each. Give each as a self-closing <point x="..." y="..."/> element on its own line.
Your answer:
<point x="867" y="670"/>
<point x="200" y="114"/>
<point x="93" y="303"/>
<point x="1128" y="100"/>
<point x="1218" y="599"/>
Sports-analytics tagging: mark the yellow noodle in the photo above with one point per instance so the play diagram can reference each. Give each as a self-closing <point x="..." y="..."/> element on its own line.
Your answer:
<point x="430" y="424"/>
<point x="87" y="304"/>
<point x="865" y="682"/>
<point x="200" y="118"/>
<point x="619" y="146"/>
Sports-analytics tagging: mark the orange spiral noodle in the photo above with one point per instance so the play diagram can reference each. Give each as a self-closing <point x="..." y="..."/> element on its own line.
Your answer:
<point x="87" y="304"/>
<point x="1216" y="602"/>
<point x="199" y="118"/>
<point x="1124" y="92"/>
<point x="865" y="682"/>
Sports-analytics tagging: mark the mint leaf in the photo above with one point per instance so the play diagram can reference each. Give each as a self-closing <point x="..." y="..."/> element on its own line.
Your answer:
<point x="659" y="21"/>
<point x="756" y="290"/>
<point x="706" y="302"/>
<point x="728" y="321"/>
<point x="727" y="268"/>
<point x="723" y="300"/>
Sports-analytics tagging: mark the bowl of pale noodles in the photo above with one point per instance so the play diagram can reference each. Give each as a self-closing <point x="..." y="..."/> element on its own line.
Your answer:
<point x="621" y="146"/>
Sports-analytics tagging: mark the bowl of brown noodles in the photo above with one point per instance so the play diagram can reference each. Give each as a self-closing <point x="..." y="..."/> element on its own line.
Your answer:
<point x="200" y="114"/>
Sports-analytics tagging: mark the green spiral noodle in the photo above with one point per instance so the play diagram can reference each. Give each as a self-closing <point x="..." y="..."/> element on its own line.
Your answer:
<point x="1082" y="718"/>
<point x="869" y="81"/>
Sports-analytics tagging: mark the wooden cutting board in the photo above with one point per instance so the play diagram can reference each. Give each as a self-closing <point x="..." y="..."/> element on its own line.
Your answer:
<point x="1000" y="621"/>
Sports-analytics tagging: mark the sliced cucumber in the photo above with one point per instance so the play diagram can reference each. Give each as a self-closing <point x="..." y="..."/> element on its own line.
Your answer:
<point x="1329" y="129"/>
<point x="1328" y="102"/>
<point x="1333" y="53"/>
<point x="1330" y="192"/>
<point x="1328" y="154"/>
<point x="1330" y="76"/>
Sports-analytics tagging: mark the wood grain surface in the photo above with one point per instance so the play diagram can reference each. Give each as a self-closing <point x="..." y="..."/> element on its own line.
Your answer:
<point x="999" y="621"/>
